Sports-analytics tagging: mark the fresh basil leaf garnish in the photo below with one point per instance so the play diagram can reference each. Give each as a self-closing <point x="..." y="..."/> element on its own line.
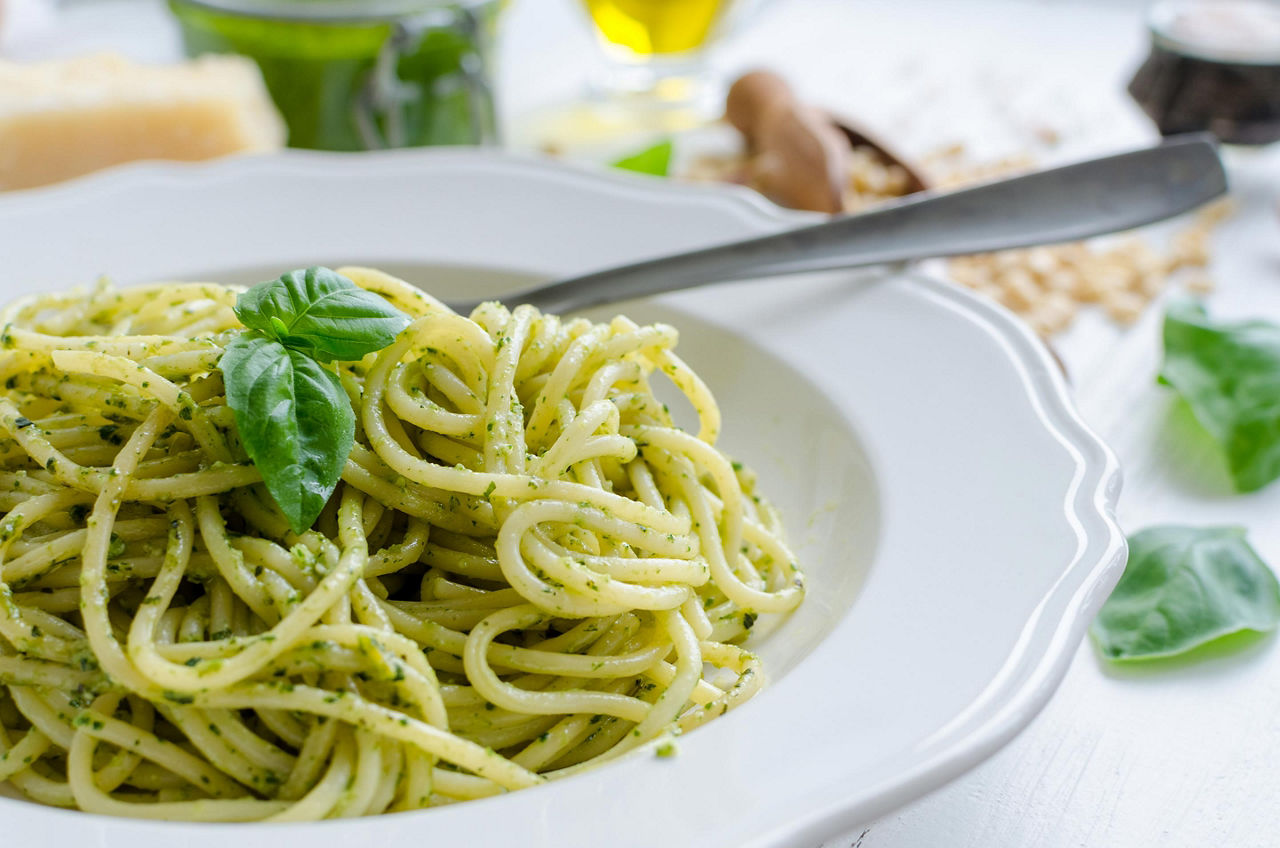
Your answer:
<point x="1229" y="374"/>
<point x="1184" y="587"/>
<point x="294" y="419"/>
<point x="322" y="313"/>
<point x="655" y="161"/>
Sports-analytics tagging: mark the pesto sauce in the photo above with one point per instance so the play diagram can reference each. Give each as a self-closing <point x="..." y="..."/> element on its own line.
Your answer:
<point x="321" y="73"/>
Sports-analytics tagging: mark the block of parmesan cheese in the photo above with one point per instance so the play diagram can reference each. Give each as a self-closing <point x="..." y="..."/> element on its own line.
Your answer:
<point x="63" y="119"/>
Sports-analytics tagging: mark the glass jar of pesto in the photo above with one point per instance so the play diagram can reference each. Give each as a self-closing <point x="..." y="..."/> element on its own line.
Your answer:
<point x="361" y="74"/>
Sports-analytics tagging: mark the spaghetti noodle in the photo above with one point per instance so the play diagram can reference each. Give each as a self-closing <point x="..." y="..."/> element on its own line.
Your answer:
<point x="526" y="570"/>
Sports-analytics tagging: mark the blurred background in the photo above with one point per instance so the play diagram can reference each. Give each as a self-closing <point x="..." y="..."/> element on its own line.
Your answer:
<point x="586" y="77"/>
<point x="821" y="105"/>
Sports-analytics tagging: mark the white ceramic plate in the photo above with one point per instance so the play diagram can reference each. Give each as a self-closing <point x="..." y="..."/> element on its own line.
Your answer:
<point x="953" y="514"/>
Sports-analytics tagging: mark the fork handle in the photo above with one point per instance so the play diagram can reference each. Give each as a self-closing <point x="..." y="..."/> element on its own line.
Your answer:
<point x="1073" y="202"/>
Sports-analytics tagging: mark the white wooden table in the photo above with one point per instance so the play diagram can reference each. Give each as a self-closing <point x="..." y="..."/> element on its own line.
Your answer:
<point x="1181" y="755"/>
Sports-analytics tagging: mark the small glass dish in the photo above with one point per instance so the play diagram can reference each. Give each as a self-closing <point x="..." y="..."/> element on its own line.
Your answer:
<point x="361" y="74"/>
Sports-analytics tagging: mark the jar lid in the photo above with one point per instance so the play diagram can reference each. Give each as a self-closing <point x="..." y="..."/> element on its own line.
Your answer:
<point x="322" y="11"/>
<point x="1243" y="32"/>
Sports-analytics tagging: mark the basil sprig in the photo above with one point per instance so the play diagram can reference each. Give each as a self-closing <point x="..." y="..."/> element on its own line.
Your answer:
<point x="294" y="417"/>
<point x="1229" y="374"/>
<point x="321" y="313"/>
<point x="1184" y="587"/>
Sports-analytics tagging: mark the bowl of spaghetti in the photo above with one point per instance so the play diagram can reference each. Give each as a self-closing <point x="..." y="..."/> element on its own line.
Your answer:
<point x="288" y="543"/>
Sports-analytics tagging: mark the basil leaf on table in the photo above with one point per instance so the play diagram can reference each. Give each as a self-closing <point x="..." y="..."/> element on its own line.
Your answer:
<point x="1184" y="587"/>
<point x="1229" y="374"/>
<point x="321" y="312"/>
<point x="295" y="421"/>
<point x="655" y="161"/>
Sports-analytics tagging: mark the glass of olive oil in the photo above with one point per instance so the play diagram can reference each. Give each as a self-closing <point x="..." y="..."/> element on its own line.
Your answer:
<point x="657" y="48"/>
<point x="656" y="28"/>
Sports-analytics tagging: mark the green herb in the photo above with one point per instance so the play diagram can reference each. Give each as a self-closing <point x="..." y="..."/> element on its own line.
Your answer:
<point x="1229" y="374"/>
<point x="293" y="415"/>
<point x="666" y="750"/>
<point x="655" y="160"/>
<point x="1184" y="587"/>
<point x="110" y="433"/>
<point x="321" y="313"/>
<point x="295" y="421"/>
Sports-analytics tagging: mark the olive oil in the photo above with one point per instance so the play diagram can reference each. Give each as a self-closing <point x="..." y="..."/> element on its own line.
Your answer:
<point x="656" y="27"/>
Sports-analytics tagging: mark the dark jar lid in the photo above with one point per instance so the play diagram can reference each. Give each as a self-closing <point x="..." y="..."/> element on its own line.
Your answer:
<point x="1214" y="65"/>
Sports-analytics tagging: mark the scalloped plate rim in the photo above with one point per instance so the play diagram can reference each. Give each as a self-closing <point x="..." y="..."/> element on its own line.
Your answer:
<point x="1048" y="641"/>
